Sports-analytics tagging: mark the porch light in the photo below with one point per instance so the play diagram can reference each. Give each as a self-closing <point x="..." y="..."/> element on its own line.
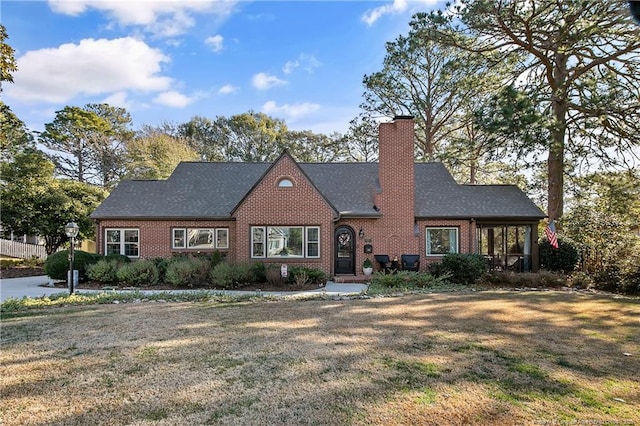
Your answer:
<point x="71" y="230"/>
<point x="361" y="233"/>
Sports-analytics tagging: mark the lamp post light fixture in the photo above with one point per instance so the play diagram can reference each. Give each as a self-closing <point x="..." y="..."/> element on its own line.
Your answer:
<point x="71" y="230"/>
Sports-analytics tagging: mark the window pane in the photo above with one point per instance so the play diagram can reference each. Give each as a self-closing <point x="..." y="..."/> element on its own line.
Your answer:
<point x="313" y="250"/>
<point x="178" y="238"/>
<point x="200" y="238"/>
<point x="113" y="248"/>
<point x="222" y="238"/>
<point x="113" y="235"/>
<point x="257" y="245"/>
<point x="442" y="240"/>
<point x="131" y="235"/>
<point x="131" y="249"/>
<point x="284" y="241"/>
<point x="313" y="242"/>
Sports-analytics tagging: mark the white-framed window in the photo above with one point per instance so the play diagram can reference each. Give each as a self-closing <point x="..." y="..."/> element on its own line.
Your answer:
<point x="441" y="241"/>
<point x="200" y="238"/>
<point x="122" y="241"/>
<point x="285" y="242"/>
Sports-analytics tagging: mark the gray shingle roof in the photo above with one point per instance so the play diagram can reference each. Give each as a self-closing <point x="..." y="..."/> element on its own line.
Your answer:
<point x="213" y="190"/>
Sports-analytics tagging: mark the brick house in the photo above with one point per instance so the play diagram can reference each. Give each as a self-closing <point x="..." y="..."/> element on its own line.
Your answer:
<point x="323" y="215"/>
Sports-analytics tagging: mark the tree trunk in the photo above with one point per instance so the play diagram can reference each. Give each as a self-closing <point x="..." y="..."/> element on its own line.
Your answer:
<point x="555" y="162"/>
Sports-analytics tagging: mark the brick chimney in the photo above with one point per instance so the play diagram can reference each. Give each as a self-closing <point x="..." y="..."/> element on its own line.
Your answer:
<point x="396" y="199"/>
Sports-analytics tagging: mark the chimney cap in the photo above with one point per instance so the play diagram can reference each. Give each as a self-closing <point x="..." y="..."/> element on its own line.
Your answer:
<point x="403" y="117"/>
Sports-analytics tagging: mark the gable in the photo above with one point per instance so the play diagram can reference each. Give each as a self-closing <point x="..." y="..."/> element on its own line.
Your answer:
<point x="271" y="201"/>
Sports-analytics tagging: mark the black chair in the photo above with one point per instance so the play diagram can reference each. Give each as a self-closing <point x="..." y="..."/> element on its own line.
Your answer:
<point x="383" y="260"/>
<point x="410" y="262"/>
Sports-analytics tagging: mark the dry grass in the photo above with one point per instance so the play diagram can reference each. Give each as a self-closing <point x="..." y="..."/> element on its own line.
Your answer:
<point x="473" y="358"/>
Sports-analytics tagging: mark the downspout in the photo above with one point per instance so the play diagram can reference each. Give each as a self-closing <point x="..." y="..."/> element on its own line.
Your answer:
<point x="472" y="228"/>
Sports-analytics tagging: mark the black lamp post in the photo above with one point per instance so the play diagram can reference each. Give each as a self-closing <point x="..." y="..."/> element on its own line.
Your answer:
<point x="71" y="229"/>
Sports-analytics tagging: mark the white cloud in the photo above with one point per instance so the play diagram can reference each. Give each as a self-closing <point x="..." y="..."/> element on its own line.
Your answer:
<point x="291" y="111"/>
<point x="173" y="99"/>
<point x="91" y="67"/>
<point x="227" y="89"/>
<point x="304" y="61"/>
<point x="160" y="17"/>
<point x="118" y="99"/>
<point x="397" y="6"/>
<point x="264" y="81"/>
<point x="215" y="42"/>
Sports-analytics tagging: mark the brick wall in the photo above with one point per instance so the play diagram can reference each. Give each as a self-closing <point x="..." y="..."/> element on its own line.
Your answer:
<point x="156" y="235"/>
<point x="300" y="205"/>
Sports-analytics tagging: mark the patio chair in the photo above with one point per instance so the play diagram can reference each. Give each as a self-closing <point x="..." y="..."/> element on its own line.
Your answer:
<point x="384" y="261"/>
<point x="410" y="262"/>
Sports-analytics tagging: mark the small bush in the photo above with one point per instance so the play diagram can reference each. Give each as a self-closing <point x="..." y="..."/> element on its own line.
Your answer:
<point x="230" y="276"/>
<point x="57" y="264"/>
<point x="259" y="272"/>
<point x="563" y="259"/>
<point x="162" y="264"/>
<point x="104" y="270"/>
<point x="188" y="272"/>
<point x="313" y="275"/>
<point x="273" y="276"/>
<point x="462" y="268"/>
<point x="581" y="280"/>
<point x="139" y="273"/>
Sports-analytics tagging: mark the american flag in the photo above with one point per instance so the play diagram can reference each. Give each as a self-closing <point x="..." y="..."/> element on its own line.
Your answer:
<point x="550" y="233"/>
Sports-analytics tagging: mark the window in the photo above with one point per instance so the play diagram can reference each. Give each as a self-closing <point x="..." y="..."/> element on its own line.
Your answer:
<point x="442" y="241"/>
<point x="285" y="183"/>
<point x="122" y="241"/>
<point x="200" y="238"/>
<point x="285" y="241"/>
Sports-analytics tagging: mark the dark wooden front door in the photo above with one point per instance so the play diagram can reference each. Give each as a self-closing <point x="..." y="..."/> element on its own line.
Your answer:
<point x="344" y="250"/>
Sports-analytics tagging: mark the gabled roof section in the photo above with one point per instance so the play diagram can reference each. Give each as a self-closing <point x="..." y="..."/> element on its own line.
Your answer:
<point x="194" y="190"/>
<point x="284" y="155"/>
<point x="439" y="196"/>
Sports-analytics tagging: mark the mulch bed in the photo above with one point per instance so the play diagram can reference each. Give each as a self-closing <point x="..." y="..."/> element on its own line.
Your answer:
<point x="21" y="272"/>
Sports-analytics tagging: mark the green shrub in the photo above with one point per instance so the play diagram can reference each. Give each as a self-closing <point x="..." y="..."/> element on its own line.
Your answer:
<point x="229" y="276"/>
<point x="142" y="272"/>
<point x="313" y="275"/>
<point x="563" y="259"/>
<point x="614" y="279"/>
<point x="162" y="264"/>
<point x="104" y="270"/>
<point x="119" y="257"/>
<point x="462" y="268"/>
<point x="259" y="272"/>
<point x="397" y="280"/>
<point x="216" y="258"/>
<point x="57" y="264"/>
<point x="188" y="272"/>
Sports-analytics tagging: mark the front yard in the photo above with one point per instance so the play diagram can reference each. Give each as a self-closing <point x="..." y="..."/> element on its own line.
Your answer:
<point x="494" y="357"/>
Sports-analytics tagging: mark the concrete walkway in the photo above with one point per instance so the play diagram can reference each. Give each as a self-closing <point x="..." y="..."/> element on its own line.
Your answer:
<point x="18" y="288"/>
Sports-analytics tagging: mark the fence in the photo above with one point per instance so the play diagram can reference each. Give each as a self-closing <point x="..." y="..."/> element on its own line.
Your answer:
<point x="22" y="250"/>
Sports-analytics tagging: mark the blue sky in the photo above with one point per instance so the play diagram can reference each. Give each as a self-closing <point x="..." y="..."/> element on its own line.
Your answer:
<point x="167" y="61"/>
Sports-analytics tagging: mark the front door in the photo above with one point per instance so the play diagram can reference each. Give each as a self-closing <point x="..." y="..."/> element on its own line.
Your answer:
<point x="344" y="251"/>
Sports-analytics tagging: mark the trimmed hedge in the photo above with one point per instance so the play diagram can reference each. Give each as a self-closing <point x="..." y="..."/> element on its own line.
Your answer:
<point x="57" y="265"/>
<point x="139" y="273"/>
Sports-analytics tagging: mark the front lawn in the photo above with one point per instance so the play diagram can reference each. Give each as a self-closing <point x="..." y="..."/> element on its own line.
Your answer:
<point x="493" y="357"/>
